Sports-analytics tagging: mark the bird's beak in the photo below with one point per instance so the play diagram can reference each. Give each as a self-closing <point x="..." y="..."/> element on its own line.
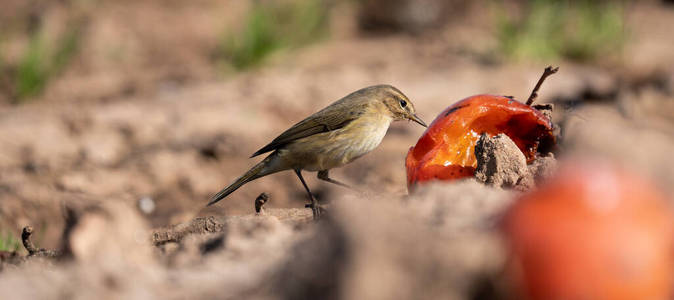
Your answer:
<point x="416" y="118"/>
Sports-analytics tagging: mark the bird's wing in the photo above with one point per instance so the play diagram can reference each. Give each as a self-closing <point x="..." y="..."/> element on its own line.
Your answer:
<point x="329" y="119"/>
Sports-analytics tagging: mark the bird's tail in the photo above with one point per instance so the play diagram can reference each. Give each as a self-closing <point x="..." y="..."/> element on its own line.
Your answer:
<point x="252" y="174"/>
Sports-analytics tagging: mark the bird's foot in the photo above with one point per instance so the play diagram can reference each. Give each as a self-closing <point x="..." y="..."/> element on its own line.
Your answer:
<point x="316" y="209"/>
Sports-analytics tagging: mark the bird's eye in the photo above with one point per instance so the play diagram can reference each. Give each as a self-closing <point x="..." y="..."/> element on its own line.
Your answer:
<point x="403" y="103"/>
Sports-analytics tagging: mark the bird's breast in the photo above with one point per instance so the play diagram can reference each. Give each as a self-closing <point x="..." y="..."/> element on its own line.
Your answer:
<point x="355" y="140"/>
<point x="366" y="134"/>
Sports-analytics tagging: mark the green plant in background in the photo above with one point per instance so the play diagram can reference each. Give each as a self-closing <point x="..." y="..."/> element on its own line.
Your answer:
<point x="271" y="26"/>
<point x="31" y="73"/>
<point x="8" y="242"/>
<point x="577" y="30"/>
<point x="42" y="60"/>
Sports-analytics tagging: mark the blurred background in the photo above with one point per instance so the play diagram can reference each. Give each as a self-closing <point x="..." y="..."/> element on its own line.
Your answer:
<point x="159" y="103"/>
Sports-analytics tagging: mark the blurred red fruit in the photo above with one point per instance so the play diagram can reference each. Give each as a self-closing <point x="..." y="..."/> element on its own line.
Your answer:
<point x="591" y="232"/>
<point x="446" y="150"/>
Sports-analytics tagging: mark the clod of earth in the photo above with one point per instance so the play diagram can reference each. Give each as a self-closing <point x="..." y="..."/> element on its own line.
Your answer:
<point x="218" y="224"/>
<point x="500" y="163"/>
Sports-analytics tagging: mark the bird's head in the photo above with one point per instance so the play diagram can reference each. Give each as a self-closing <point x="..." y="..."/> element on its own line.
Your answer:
<point x="396" y="103"/>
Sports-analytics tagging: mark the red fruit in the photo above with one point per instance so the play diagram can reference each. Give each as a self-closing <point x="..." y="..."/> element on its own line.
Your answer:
<point x="446" y="150"/>
<point x="591" y="232"/>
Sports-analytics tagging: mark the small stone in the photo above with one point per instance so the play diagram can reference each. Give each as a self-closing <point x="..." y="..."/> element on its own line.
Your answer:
<point x="146" y="205"/>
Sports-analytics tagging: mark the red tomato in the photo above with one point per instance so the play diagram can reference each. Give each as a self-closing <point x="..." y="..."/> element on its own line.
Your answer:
<point x="446" y="150"/>
<point x="591" y="232"/>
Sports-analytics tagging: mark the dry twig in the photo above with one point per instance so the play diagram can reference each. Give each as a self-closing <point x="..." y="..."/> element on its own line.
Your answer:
<point x="547" y="72"/>
<point x="260" y="201"/>
<point x="34" y="251"/>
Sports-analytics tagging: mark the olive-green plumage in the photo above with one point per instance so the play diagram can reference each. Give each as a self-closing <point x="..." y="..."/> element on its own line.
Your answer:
<point x="331" y="137"/>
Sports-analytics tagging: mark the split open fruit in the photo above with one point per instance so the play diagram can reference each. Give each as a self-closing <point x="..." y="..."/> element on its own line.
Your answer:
<point x="591" y="232"/>
<point x="446" y="149"/>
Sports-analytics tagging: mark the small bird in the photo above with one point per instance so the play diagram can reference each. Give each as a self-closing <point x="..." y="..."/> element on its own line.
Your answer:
<point x="332" y="137"/>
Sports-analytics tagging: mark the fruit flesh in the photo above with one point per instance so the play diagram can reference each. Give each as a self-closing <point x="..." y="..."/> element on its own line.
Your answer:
<point x="446" y="150"/>
<point x="591" y="232"/>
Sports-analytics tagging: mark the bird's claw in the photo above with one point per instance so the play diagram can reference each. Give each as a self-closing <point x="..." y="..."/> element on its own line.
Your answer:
<point x="316" y="209"/>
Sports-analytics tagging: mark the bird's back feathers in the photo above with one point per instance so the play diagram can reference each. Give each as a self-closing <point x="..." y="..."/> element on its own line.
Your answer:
<point x="333" y="117"/>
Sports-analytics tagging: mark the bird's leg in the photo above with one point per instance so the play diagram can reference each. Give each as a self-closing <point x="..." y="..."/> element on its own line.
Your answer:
<point x="323" y="175"/>
<point x="314" y="203"/>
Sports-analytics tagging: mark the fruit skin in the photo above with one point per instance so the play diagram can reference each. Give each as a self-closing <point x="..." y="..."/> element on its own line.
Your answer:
<point x="591" y="232"/>
<point x="446" y="149"/>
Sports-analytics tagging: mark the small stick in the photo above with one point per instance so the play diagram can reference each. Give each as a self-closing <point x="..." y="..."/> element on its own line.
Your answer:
<point x="25" y="238"/>
<point x="30" y="247"/>
<point x="260" y="201"/>
<point x="548" y="71"/>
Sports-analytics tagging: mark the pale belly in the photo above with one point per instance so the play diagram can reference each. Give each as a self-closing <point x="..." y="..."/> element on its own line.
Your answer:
<point x="336" y="148"/>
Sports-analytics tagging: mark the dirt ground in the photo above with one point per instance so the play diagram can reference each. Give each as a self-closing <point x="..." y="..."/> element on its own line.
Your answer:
<point x="130" y="144"/>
